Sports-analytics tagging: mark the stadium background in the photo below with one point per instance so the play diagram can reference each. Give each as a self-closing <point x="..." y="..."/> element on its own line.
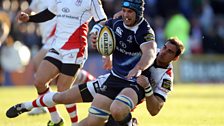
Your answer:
<point x="198" y="23"/>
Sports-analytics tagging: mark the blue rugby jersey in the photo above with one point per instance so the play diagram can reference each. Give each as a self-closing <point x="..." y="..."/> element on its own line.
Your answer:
<point x="128" y="41"/>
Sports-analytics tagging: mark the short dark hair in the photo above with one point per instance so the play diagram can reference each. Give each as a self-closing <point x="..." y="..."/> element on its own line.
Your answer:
<point x="178" y="43"/>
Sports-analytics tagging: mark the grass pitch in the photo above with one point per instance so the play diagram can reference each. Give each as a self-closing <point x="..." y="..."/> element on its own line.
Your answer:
<point x="187" y="105"/>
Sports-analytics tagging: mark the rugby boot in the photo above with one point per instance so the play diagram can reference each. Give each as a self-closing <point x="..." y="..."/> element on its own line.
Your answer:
<point x="16" y="110"/>
<point x="50" y="123"/>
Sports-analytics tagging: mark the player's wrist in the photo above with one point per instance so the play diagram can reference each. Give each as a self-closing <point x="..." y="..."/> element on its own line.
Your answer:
<point x="96" y="28"/>
<point x="139" y="67"/>
<point x="148" y="91"/>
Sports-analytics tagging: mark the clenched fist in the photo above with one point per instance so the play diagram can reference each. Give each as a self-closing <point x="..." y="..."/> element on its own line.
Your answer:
<point x="22" y="16"/>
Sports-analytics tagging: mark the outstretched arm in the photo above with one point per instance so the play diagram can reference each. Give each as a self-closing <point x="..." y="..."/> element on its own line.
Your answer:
<point x="37" y="18"/>
<point x="148" y="56"/>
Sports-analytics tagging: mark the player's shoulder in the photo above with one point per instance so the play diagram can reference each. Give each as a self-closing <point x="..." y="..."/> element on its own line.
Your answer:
<point x="114" y="21"/>
<point x="144" y="29"/>
<point x="144" y="25"/>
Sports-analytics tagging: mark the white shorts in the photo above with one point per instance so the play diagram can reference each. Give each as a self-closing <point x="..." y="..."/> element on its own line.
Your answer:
<point x="93" y="86"/>
<point x="67" y="56"/>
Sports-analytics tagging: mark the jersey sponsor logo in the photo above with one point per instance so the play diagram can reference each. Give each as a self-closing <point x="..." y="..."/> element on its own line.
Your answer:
<point x="149" y="37"/>
<point x="119" y="31"/>
<point x="66" y="10"/>
<point x="78" y="2"/>
<point x="67" y="16"/>
<point x="166" y="84"/>
<point x="96" y="86"/>
<point x="128" y="53"/>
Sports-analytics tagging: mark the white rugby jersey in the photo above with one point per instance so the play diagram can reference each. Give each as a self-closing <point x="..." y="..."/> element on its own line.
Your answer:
<point x="47" y="29"/>
<point x="161" y="80"/>
<point x="72" y="17"/>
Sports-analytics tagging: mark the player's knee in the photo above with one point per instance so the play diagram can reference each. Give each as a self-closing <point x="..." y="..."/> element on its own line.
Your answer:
<point x="119" y="111"/>
<point x="38" y="83"/>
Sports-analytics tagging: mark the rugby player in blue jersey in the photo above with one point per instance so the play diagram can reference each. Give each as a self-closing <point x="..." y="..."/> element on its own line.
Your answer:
<point x="135" y="52"/>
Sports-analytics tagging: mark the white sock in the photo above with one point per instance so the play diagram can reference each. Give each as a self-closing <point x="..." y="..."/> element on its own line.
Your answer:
<point x="28" y="105"/>
<point x="55" y="117"/>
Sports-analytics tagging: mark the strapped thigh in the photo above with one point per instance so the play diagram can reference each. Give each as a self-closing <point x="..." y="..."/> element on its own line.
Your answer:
<point x="126" y="100"/>
<point x="99" y="112"/>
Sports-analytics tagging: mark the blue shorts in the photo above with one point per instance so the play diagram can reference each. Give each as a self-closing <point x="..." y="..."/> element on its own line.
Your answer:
<point x="115" y="85"/>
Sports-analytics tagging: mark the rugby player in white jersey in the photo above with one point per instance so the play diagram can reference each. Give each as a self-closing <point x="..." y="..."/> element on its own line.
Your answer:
<point x="69" y="46"/>
<point x="47" y="30"/>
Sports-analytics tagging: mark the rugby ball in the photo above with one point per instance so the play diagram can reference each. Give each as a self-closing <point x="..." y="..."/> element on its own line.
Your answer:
<point x="106" y="42"/>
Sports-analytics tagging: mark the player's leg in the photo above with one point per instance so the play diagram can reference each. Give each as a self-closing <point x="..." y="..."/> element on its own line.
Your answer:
<point x="64" y="82"/>
<point x="48" y="69"/>
<point x="72" y="61"/>
<point x="112" y="122"/>
<point x="83" y="77"/>
<point x="130" y="121"/>
<point x="47" y="100"/>
<point x="98" y="112"/>
<point x="38" y="58"/>
<point x="123" y="104"/>
<point x="36" y="62"/>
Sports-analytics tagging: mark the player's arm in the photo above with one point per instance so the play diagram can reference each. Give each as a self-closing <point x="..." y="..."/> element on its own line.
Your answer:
<point x="148" y="56"/>
<point x="37" y="18"/>
<point x="148" y="46"/>
<point x="107" y="62"/>
<point x="154" y="103"/>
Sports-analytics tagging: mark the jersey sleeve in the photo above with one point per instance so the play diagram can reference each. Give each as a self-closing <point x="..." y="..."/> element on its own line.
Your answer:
<point x="109" y="23"/>
<point x="53" y="6"/>
<point x="145" y="34"/>
<point x="165" y="85"/>
<point x="97" y="10"/>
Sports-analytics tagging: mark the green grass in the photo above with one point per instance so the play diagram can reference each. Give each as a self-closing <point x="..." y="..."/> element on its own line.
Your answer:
<point x="187" y="105"/>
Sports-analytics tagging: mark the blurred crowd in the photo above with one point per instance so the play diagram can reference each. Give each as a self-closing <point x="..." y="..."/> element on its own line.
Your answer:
<point x="198" y="23"/>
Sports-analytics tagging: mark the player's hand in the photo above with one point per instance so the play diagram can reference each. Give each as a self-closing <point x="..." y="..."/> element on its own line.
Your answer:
<point x="135" y="72"/>
<point x="107" y="62"/>
<point x="22" y="16"/>
<point x="117" y="15"/>
<point x="143" y="81"/>
<point x="93" y="39"/>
